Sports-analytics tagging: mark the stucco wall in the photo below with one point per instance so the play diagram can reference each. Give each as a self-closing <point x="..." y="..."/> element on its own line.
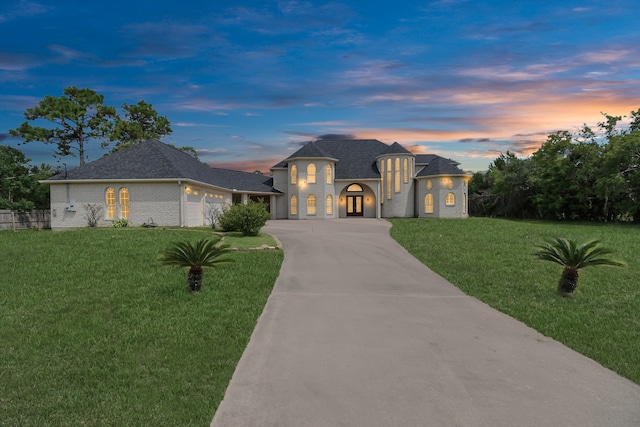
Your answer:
<point x="303" y="188"/>
<point x="401" y="203"/>
<point x="439" y="190"/>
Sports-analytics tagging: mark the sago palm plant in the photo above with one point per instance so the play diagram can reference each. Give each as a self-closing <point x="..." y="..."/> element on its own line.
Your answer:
<point x="203" y="253"/>
<point x="573" y="257"/>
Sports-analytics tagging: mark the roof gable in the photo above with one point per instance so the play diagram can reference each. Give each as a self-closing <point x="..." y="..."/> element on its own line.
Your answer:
<point x="441" y="166"/>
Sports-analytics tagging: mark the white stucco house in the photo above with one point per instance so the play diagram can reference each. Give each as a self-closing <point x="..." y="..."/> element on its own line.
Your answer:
<point x="325" y="179"/>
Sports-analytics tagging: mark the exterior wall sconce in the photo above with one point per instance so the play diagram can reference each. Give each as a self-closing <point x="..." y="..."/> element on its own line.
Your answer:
<point x="187" y="190"/>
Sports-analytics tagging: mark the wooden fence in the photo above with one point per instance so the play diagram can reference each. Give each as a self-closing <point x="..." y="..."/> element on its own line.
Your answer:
<point x="14" y="220"/>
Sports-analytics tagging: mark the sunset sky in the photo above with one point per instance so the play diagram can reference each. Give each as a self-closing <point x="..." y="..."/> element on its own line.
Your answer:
<point x="246" y="83"/>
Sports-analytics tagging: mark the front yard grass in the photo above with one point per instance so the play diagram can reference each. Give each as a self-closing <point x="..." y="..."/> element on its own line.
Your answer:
<point x="491" y="260"/>
<point x="96" y="333"/>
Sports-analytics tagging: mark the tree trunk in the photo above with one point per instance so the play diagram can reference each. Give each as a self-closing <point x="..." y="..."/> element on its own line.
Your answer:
<point x="568" y="281"/>
<point x="195" y="279"/>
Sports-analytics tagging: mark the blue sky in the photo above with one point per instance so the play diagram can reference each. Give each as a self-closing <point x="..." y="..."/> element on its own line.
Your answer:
<point x="246" y="83"/>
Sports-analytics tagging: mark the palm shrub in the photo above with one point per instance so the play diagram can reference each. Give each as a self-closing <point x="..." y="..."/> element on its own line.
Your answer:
<point x="573" y="257"/>
<point x="204" y="253"/>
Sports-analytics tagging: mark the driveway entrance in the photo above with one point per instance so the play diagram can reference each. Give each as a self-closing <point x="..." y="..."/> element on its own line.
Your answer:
<point x="357" y="332"/>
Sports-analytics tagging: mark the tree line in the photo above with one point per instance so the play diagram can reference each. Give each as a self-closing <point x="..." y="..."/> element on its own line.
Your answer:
<point x="589" y="175"/>
<point x="70" y="122"/>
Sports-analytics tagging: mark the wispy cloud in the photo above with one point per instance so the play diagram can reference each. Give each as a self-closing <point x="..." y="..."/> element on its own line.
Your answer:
<point x="23" y="9"/>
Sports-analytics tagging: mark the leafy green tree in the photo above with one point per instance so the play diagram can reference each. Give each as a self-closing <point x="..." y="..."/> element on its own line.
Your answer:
<point x="196" y="256"/>
<point x="574" y="257"/>
<point x="140" y="123"/>
<point x="19" y="186"/>
<point x="78" y="117"/>
<point x="511" y="187"/>
<point x="248" y="218"/>
<point x="620" y="186"/>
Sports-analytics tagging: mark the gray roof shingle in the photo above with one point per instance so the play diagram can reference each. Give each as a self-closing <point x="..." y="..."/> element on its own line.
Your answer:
<point x="154" y="160"/>
<point x="441" y="166"/>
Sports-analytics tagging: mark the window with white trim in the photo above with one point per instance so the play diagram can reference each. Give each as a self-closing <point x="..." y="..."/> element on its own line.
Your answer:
<point x="428" y="203"/>
<point x="450" y="200"/>
<point x="311" y="204"/>
<point x="329" y="208"/>
<point x="397" y="174"/>
<point x="294" y="174"/>
<point x="405" y="170"/>
<point x="110" y="196"/>
<point x="294" y="205"/>
<point x="311" y="173"/>
<point x="123" y="198"/>
<point x="329" y="174"/>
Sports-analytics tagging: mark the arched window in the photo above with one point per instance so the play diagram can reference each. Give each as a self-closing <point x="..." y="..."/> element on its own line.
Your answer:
<point x="123" y="196"/>
<point x="311" y="204"/>
<point x="382" y="179"/>
<point x="389" y="176"/>
<point x="354" y="188"/>
<point x="329" y="174"/>
<point x="294" y="205"/>
<point x="311" y="173"/>
<point x="329" y="204"/>
<point x="429" y="184"/>
<point x="294" y="174"/>
<point x="405" y="170"/>
<point x="450" y="200"/>
<point x="397" y="175"/>
<point x="428" y="203"/>
<point x="110" y="195"/>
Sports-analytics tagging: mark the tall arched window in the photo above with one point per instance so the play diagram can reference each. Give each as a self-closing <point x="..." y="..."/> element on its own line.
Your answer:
<point x="329" y="174"/>
<point x="311" y="173"/>
<point x="389" y="176"/>
<point x="405" y="170"/>
<point x="382" y="187"/>
<point x="329" y="209"/>
<point x="294" y="205"/>
<point x="397" y="186"/>
<point x="428" y="203"/>
<point x="294" y="174"/>
<point x="450" y="200"/>
<point x="124" y="202"/>
<point x="311" y="204"/>
<point x="110" y="196"/>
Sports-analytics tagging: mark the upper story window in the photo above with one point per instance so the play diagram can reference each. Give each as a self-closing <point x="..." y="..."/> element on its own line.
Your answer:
<point x="397" y="175"/>
<point x="450" y="199"/>
<point x="383" y="180"/>
<point x="354" y="188"/>
<point x="429" y="184"/>
<point x="428" y="203"/>
<point x="389" y="179"/>
<point x="123" y="196"/>
<point x="329" y="174"/>
<point x="311" y="204"/>
<point x="294" y="205"/>
<point x="329" y="207"/>
<point x="447" y="182"/>
<point x="294" y="174"/>
<point x="110" y="196"/>
<point x="311" y="173"/>
<point x="405" y="170"/>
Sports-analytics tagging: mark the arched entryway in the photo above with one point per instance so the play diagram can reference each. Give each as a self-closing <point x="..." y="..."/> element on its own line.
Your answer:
<point x="357" y="200"/>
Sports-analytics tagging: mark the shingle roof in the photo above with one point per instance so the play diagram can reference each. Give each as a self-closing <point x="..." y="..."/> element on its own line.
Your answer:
<point x="356" y="157"/>
<point x="441" y="166"/>
<point x="396" y="148"/>
<point x="154" y="160"/>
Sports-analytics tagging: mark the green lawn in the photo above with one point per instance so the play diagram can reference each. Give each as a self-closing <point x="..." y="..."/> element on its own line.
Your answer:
<point x="491" y="260"/>
<point x="95" y="333"/>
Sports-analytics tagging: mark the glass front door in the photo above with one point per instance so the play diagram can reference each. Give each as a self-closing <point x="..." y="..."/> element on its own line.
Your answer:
<point x="354" y="206"/>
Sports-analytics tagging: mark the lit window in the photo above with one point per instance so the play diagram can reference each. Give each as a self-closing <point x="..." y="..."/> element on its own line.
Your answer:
<point x="405" y="170"/>
<point x="388" y="178"/>
<point x="447" y="182"/>
<point x="311" y="204"/>
<point x="429" y="184"/>
<point x="428" y="203"/>
<point x="111" y="202"/>
<point x="329" y="174"/>
<point x="354" y="188"/>
<point x="397" y="174"/>
<point x="124" y="202"/>
<point x="450" y="200"/>
<point x="294" y="205"/>
<point x="329" y="204"/>
<point x="294" y="174"/>
<point x="311" y="173"/>
<point x="382" y="179"/>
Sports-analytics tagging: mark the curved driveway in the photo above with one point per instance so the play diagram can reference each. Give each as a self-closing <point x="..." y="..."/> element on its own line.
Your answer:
<point x="357" y="332"/>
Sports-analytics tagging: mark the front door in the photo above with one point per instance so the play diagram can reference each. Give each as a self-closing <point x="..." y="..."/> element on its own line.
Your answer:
<point x="354" y="206"/>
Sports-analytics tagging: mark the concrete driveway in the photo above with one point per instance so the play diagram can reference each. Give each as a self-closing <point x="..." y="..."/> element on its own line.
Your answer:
<point x="357" y="332"/>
